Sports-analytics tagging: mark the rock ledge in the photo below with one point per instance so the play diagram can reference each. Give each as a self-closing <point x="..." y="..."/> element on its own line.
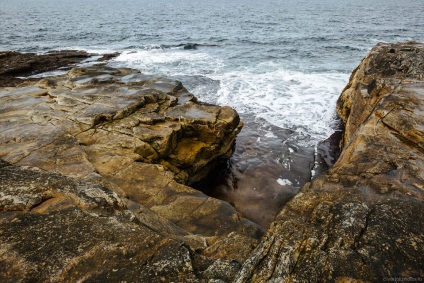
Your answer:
<point x="93" y="167"/>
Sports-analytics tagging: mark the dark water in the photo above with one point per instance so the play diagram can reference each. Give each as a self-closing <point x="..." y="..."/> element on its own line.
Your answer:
<point x="281" y="64"/>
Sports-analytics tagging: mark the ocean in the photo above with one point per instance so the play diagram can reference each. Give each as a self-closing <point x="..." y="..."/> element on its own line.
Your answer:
<point x="280" y="64"/>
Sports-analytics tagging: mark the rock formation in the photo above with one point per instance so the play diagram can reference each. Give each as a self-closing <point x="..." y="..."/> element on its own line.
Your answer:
<point x="117" y="117"/>
<point x="94" y="165"/>
<point x="58" y="229"/>
<point x="16" y="65"/>
<point x="93" y="169"/>
<point x="363" y="220"/>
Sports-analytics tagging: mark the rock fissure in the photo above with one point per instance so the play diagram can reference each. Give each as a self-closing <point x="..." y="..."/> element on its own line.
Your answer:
<point x="103" y="136"/>
<point x="38" y="204"/>
<point x="406" y="140"/>
<point x="374" y="201"/>
<point x="358" y="238"/>
<point x="298" y="251"/>
<point x="25" y="155"/>
<point x="193" y="211"/>
<point x="360" y="221"/>
<point x="250" y="265"/>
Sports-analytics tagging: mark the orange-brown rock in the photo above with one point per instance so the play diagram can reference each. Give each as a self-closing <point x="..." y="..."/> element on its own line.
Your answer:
<point x="59" y="229"/>
<point x="121" y="145"/>
<point x="107" y="119"/>
<point x="115" y="147"/>
<point x="363" y="220"/>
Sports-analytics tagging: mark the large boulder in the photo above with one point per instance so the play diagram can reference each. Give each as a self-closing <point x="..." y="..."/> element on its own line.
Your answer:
<point x="363" y="220"/>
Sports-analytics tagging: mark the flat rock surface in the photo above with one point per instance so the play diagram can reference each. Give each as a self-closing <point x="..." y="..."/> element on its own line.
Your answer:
<point x="99" y="110"/>
<point x="363" y="220"/>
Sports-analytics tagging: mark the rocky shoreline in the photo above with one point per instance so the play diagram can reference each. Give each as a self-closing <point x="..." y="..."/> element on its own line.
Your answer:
<point x="95" y="162"/>
<point x="129" y="142"/>
<point x="362" y="221"/>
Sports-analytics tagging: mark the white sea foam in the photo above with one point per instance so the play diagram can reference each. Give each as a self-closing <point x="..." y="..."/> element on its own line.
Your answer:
<point x="293" y="100"/>
<point x="270" y="135"/>
<point x="284" y="182"/>
<point x="46" y="74"/>
<point x="299" y="101"/>
<point x="171" y="62"/>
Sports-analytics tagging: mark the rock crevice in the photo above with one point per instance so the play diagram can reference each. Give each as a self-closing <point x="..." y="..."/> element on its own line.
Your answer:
<point x="93" y="171"/>
<point x="95" y="162"/>
<point x="361" y="221"/>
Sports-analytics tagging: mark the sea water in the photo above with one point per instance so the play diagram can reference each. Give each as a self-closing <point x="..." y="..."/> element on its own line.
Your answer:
<point x="280" y="64"/>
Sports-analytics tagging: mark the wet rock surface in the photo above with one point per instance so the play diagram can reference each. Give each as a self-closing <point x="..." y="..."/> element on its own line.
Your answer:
<point x="264" y="173"/>
<point x="362" y="221"/>
<point x="108" y="118"/>
<point x="94" y="165"/>
<point x="15" y="64"/>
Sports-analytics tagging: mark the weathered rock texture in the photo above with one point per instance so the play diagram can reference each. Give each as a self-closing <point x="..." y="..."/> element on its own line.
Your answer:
<point x="57" y="229"/>
<point x="107" y="119"/>
<point x="92" y="182"/>
<point x="114" y="147"/>
<point x="363" y="221"/>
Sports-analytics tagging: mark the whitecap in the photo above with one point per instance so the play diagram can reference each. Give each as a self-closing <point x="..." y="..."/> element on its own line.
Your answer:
<point x="170" y="62"/>
<point x="300" y="101"/>
<point x="303" y="102"/>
